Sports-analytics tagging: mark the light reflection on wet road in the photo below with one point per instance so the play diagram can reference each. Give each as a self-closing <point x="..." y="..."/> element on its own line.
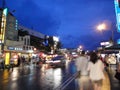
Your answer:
<point x="35" y="78"/>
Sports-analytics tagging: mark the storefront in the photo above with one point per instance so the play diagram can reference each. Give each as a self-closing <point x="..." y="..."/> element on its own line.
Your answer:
<point x="12" y="54"/>
<point x="114" y="53"/>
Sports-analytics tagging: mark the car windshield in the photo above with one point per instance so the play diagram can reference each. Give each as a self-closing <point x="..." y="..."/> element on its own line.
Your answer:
<point x="58" y="58"/>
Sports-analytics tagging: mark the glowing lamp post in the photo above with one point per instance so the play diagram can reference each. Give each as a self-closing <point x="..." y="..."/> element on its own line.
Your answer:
<point x="80" y="47"/>
<point x="101" y="27"/>
<point x="35" y="49"/>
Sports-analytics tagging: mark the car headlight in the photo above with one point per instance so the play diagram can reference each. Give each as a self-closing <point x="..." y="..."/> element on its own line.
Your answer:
<point x="57" y="61"/>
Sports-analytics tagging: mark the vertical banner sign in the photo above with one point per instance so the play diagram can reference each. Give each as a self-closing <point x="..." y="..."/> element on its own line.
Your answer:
<point x="117" y="10"/>
<point x="3" y="25"/>
<point x="2" y="28"/>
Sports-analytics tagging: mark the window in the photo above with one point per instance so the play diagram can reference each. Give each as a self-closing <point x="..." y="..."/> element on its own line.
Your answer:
<point x="25" y="41"/>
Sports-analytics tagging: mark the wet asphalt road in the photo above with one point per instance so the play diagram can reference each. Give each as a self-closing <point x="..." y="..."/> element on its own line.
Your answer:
<point x="37" y="78"/>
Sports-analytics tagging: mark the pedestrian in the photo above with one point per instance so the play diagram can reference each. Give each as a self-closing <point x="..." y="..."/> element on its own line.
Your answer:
<point x="106" y="60"/>
<point x="81" y="65"/>
<point x="19" y="59"/>
<point x="23" y="61"/>
<point x="2" y="63"/>
<point x="96" y="71"/>
<point x="29" y="59"/>
<point x="117" y="74"/>
<point x="99" y="56"/>
<point x="11" y="63"/>
<point x="118" y="66"/>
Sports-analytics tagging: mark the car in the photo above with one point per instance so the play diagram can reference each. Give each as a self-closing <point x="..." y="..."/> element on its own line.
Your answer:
<point x="58" y="61"/>
<point x="74" y="54"/>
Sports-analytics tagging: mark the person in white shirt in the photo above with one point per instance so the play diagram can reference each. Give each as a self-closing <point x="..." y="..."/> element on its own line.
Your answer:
<point x="96" y="71"/>
<point x="81" y="65"/>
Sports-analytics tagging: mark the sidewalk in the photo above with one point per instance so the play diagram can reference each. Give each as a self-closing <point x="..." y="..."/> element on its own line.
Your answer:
<point x="114" y="83"/>
<point x="106" y="82"/>
<point x="88" y="85"/>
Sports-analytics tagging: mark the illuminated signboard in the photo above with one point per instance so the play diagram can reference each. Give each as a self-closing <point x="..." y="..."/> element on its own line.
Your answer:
<point x="104" y="43"/>
<point x="118" y="41"/>
<point x="3" y="25"/>
<point x="10" y="48"/>
<point x="5" y="11"/>
<point x="117" y="10"/>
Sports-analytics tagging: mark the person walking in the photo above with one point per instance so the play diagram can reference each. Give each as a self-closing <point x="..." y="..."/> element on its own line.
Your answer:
<point x="81" y="65"/>
<point x="1" y="63"/>
<point x="117" y="74"/>
<point x="19" y="59"/>
<point x="96" y="71"/>
<point x="11" y="64"/>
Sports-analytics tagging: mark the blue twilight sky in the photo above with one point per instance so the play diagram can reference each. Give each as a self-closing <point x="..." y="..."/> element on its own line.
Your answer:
<point x="74" y="21"/>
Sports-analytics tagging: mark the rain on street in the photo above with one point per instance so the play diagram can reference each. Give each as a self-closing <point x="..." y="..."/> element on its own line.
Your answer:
<point x="42" y="77"/>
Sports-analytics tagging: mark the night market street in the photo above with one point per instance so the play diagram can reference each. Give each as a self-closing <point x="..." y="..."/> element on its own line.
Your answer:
<point x="47" y="78"/>
<point x="59" y="44"/>
<point x="35" y="78"/>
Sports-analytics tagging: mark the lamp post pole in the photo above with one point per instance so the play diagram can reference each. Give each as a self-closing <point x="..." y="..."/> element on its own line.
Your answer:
<point x="112" y="35"/>
<point x="101" y="27"/>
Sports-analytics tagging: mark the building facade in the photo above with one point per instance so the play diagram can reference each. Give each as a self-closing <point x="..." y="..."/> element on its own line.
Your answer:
<point x="36" y="39"/>
<point x="10" y="45"/>
<point x="11" y="28"/>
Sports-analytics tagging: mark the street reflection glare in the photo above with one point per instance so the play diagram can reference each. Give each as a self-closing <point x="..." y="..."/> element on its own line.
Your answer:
<point x="57" y="76"/>
<point x="67" y="64"/>
<point x="14" y="75"/>
<point x="5" y="75"/>
<point x="14" y="85"/>
<point x="44" y="76"/>
<point x="44" y="66"/>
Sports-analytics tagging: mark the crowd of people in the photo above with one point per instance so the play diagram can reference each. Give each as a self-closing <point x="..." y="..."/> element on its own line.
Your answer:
<point x="91" y="68"/>
<point x="20" y="60"/>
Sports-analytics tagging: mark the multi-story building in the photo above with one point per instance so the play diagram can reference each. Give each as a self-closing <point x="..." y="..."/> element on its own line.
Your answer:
<point x="33" y="38"/>
<point x="11" y="28"/>
<point x="8" y="26"/>
<point x="10" y="45"/>
<point x="8" y="35"/>
<point x="0" y="16"/>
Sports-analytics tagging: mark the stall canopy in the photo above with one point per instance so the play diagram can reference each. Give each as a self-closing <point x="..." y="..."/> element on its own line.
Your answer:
<point x="112" y="49"/>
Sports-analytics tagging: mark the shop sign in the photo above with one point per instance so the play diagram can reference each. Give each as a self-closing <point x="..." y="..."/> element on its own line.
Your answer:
<point x="11" y="48"/>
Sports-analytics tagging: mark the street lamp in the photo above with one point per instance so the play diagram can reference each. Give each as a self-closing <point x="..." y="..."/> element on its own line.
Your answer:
<point x="80" y="47"/>
<point x="101" y="27"/>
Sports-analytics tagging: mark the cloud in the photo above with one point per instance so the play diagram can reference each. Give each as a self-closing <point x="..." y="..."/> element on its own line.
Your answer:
<point x="87" y="41"/>
<point x="41" y="19"/>
<point x="73" y="21"/>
